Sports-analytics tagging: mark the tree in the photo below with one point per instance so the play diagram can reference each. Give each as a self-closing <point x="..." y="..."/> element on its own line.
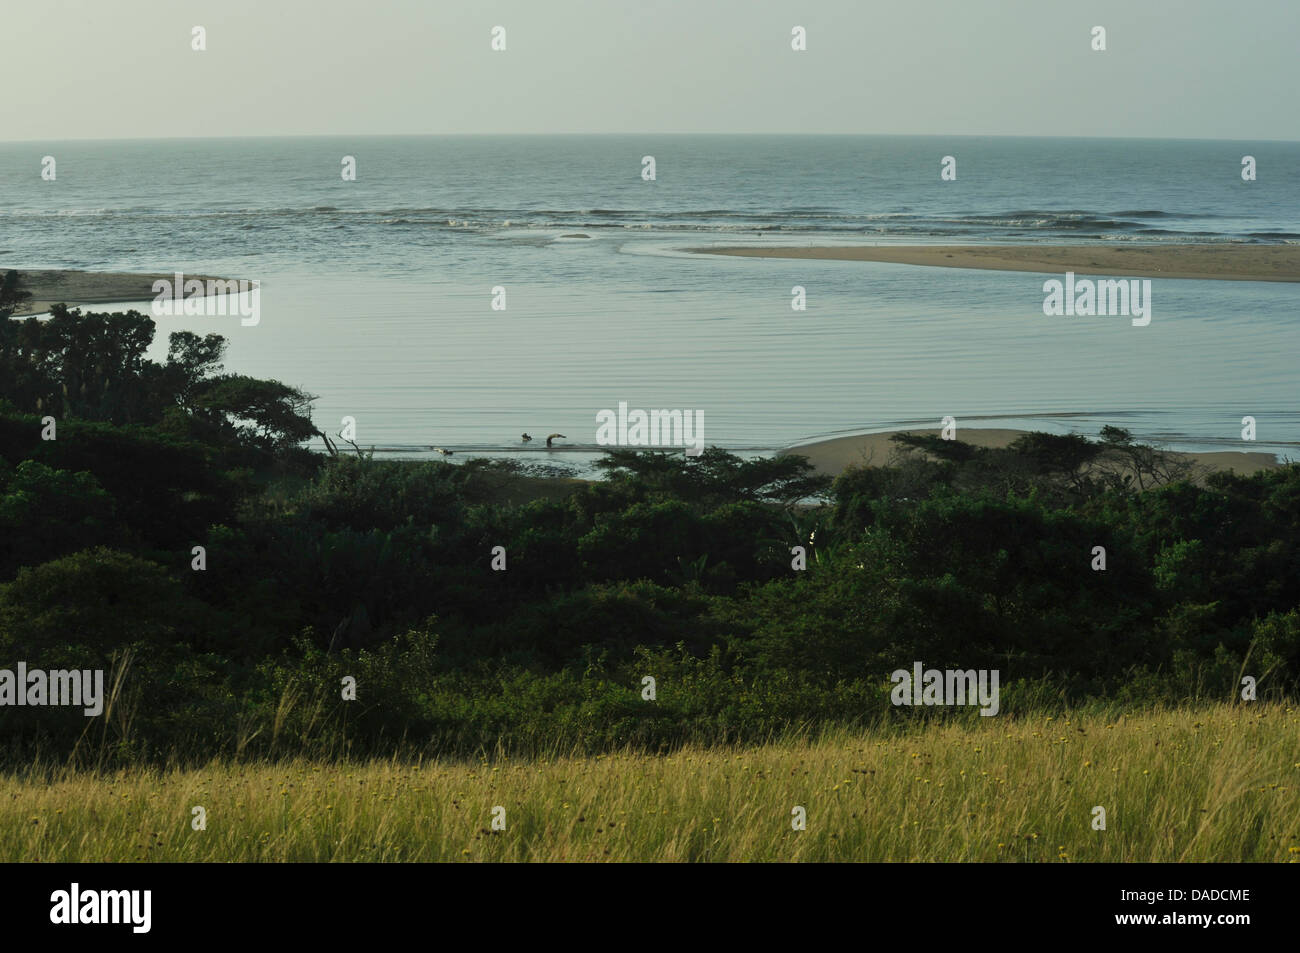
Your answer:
<point x="49" y="512"/>
<point x="956" y="451"/>
<point x="1141" y="464"/>
<point x="1062" y="454"/>
<point x="715" y="476"/>
<point x="265" y="414"/>
<point x="91" y="366"/>
<point x="11" y="294"/>
<point x="75" y="610"/>
<point x="190" y="359"/>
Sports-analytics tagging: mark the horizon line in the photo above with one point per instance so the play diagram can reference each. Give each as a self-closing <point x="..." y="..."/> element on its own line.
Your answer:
<point x="500" y="135"/>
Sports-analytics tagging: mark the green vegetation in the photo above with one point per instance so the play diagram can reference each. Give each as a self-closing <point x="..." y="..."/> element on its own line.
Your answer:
<point x="323" y="566"/>
<point x="1220" y="783"/>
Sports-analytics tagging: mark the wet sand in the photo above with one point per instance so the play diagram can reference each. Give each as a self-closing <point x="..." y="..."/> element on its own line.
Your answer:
<point x="56" y="286"/>
<point x="1226" y="262"/>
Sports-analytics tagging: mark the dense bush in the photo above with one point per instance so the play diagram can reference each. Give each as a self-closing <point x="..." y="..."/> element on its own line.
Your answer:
<point x="680" y="569"/>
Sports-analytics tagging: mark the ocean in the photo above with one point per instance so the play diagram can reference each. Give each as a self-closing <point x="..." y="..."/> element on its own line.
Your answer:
<point x="376" y="294"/>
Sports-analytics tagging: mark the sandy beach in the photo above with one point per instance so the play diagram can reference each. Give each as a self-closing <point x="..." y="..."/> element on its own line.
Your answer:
<point x="1227" y="262"/>
<point x="55" y="286"/>
<point x="833" y="456"/>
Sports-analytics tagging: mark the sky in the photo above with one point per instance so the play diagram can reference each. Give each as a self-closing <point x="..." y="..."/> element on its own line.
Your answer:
<point x="106" y="69"/>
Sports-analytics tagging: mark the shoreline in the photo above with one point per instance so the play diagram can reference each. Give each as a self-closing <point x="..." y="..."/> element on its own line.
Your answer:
<point x="829" y="456"/>
<point x="75" y="288"/>
<point x="1216" y="262"/>
<point x="834" y="455"/>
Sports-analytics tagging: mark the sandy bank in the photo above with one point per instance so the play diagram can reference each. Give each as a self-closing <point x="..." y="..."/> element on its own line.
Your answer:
<point x="836" y="454"/>
<point x="1221" y="261"/>
<point x="55" y="286"/>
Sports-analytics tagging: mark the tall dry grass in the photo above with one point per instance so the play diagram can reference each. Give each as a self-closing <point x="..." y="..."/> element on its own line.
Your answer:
<point x="1210" y="784"/>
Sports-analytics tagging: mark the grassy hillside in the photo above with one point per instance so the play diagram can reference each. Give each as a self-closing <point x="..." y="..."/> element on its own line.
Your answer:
<point x="1217" y="783"/>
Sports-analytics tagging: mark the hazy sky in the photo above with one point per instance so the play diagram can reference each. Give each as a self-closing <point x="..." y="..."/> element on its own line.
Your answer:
<point x="1214" y="69"/>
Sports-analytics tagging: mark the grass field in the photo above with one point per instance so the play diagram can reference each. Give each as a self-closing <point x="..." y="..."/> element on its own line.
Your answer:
<point x="1211" y="784"/>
